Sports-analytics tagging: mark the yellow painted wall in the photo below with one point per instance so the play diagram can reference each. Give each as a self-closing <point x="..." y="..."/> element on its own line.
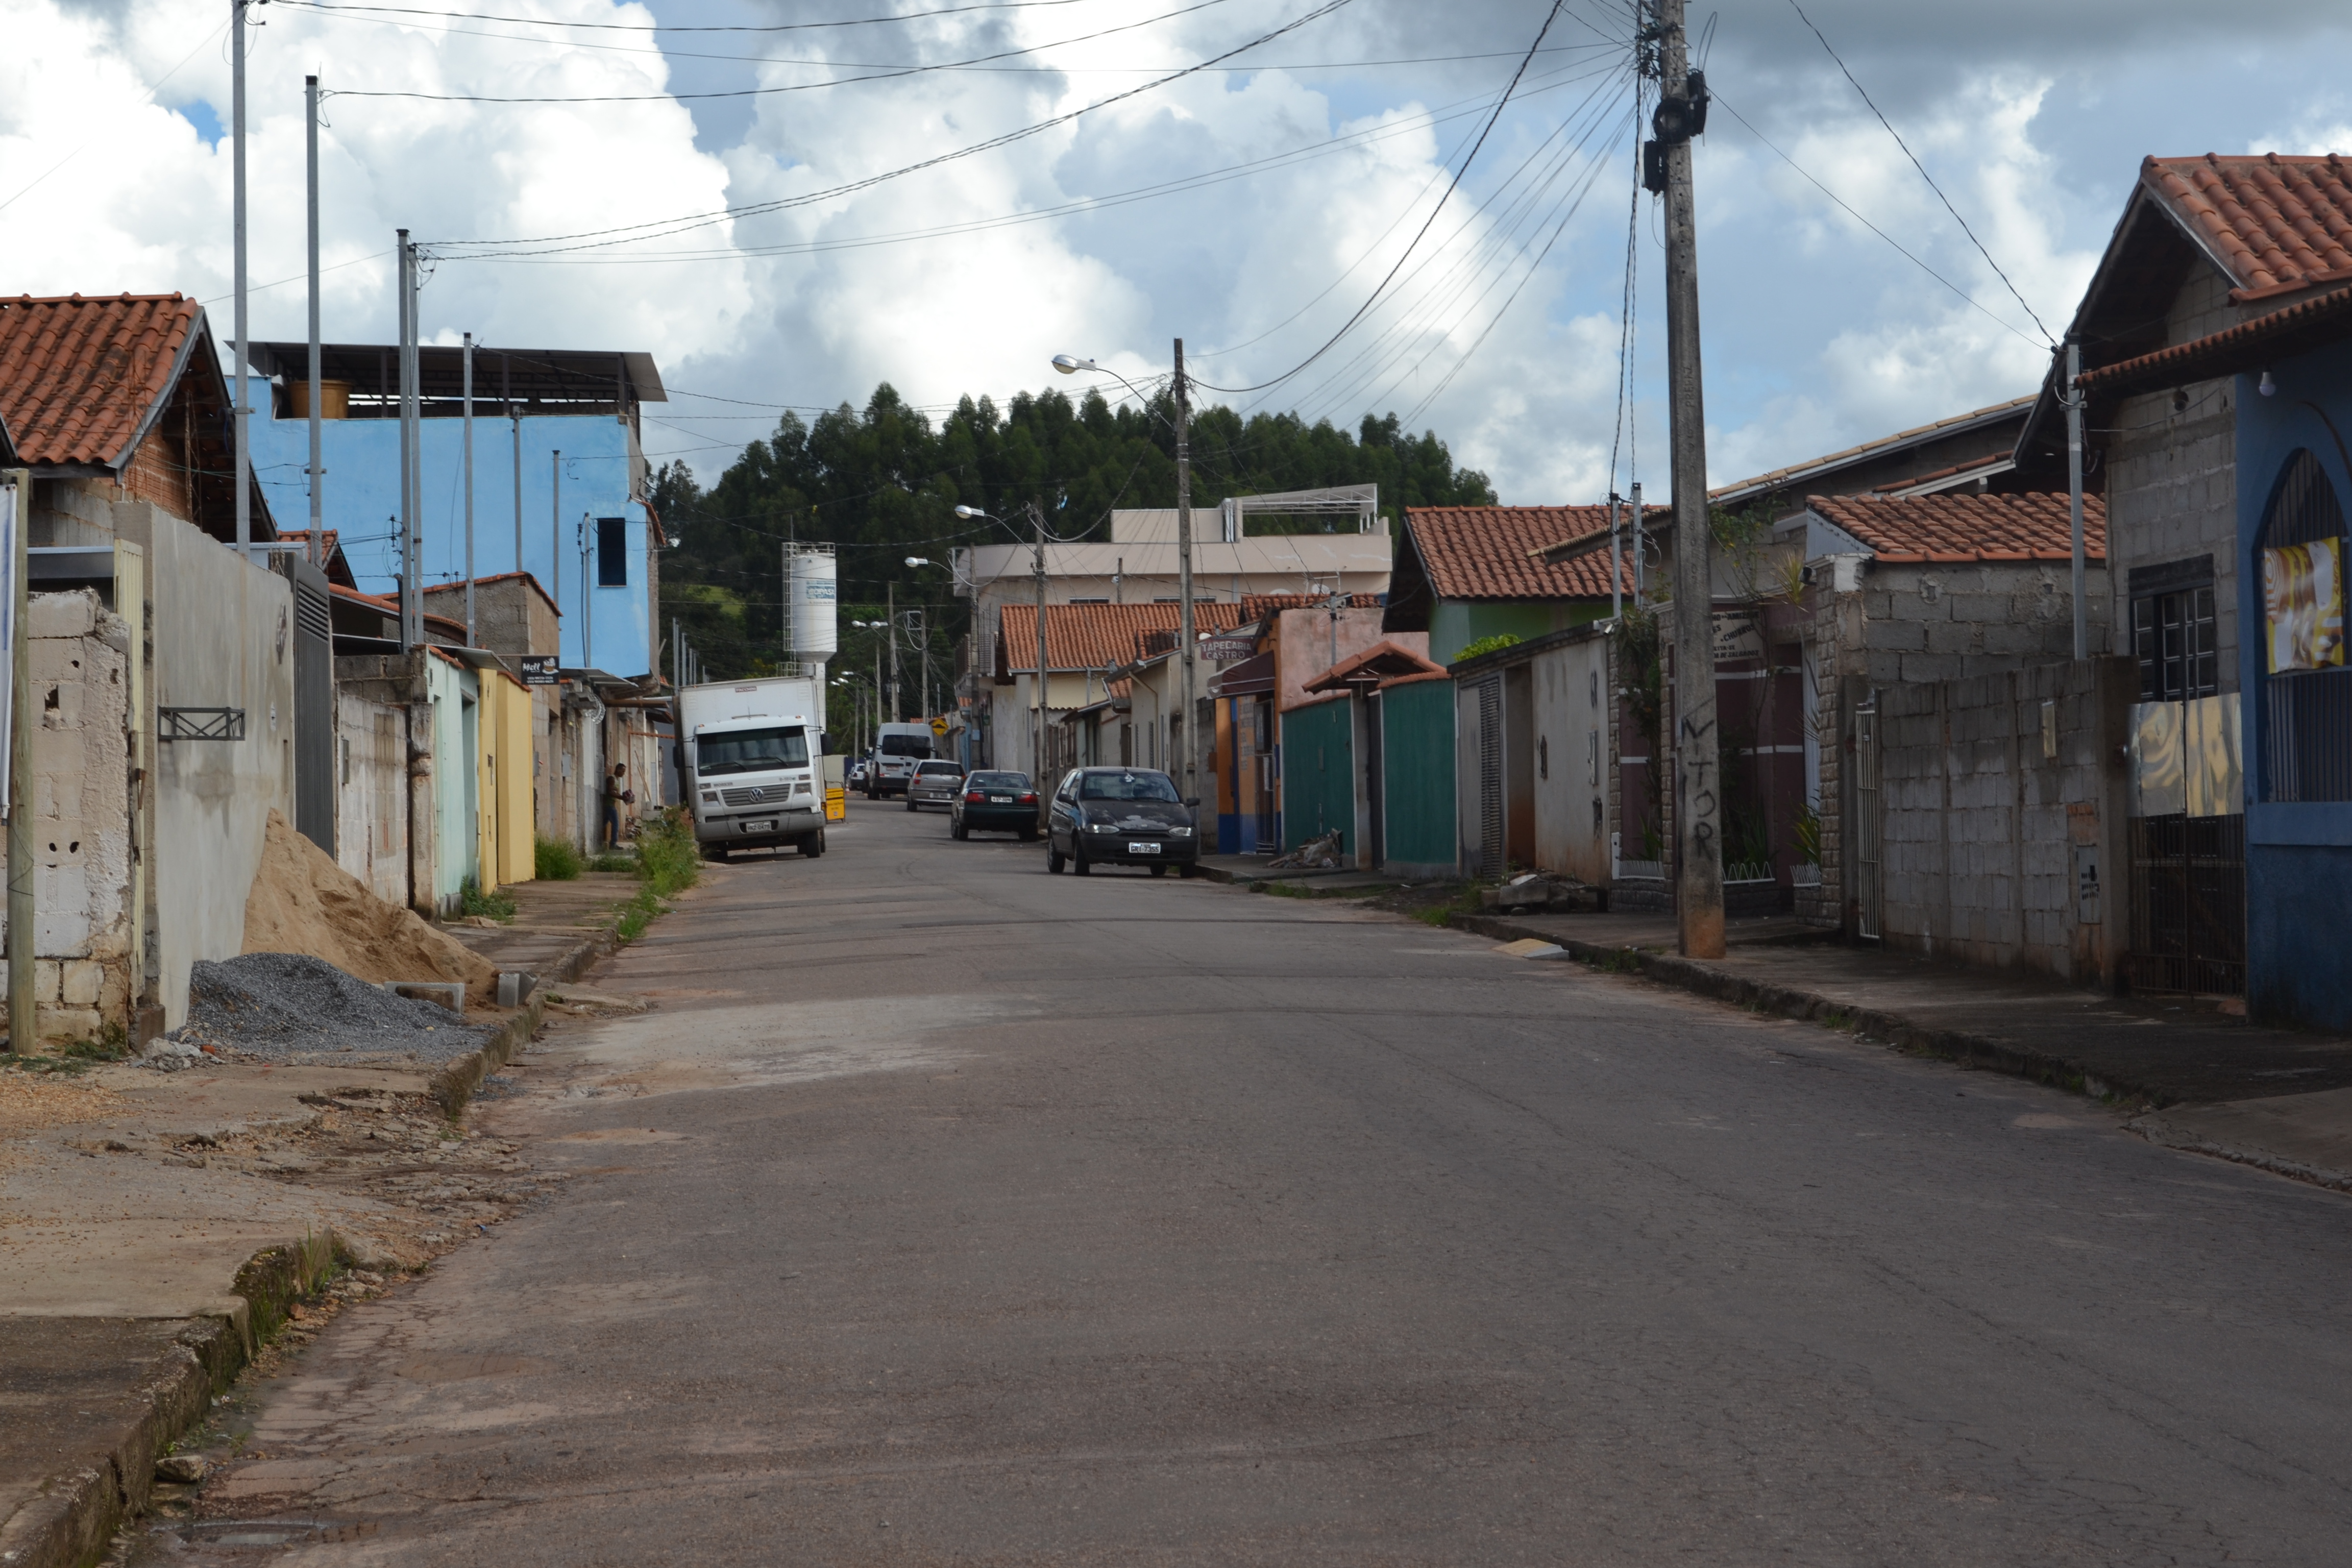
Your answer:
<point x="505" y="787"/>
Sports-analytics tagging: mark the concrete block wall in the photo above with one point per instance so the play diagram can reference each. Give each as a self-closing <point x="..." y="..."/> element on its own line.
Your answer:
<point x="2172" y="495"/>
<point x="86" y="974"/>
<point x="1937" y="622"/>
<point x="1981" y="824"/>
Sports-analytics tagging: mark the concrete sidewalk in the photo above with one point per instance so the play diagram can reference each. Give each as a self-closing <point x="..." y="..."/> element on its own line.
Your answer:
<point x="156" y="1228"/>
<point x="2209" y="1082"/>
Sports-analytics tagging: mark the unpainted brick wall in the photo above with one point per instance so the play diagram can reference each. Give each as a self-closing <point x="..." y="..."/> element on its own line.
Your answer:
<point x="1980" y="827"/>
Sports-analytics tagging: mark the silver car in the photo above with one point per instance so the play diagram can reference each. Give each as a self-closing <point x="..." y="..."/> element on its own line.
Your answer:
<point x="935" y="784"/>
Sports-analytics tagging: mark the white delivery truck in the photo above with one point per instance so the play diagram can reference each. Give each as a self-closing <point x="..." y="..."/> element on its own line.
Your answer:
<point x="750" y="759"/>
<point x="898" y="748"/>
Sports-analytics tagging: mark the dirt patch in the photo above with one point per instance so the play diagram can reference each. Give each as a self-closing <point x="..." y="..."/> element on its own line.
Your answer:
<point x="302" y="902"/>
<point x="29" y="1104"/>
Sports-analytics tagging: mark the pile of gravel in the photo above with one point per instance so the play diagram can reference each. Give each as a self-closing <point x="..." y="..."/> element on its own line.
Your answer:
<point x="289" y="1008"/>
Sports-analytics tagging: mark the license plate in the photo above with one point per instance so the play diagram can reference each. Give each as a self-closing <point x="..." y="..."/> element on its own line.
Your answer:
<point x="769" y="825"/>
<point x="1143" y="848"/>
<point x="1001" y="799"/>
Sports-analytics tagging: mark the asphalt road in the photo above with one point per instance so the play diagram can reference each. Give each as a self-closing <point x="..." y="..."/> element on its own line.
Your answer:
<point x="945" y="1211"/>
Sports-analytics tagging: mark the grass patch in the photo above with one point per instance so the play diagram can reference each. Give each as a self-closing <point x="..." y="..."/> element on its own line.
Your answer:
<point x="113" y="1045"/>
<point x="636" y="915"/>
<point x="612" y="861"/>
<point x="667" y="856"/>
<point x="472" y="901"/>
<point x="552" y="861"/>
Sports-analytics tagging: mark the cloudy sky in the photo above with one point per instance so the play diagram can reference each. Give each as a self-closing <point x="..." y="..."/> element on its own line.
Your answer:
<point x="1252" y="208"/>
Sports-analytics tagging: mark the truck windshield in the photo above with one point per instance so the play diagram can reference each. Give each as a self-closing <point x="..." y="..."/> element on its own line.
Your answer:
<point x="750" y="751"/>
<point x="905" y="746"/>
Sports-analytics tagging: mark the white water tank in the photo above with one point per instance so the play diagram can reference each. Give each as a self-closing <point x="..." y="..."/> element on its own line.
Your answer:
<point x="811" y="634"/>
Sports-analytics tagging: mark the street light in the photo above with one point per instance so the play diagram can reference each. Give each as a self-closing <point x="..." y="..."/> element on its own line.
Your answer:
<point x="1070" y="364"/>
<point x="1037" y="739"/>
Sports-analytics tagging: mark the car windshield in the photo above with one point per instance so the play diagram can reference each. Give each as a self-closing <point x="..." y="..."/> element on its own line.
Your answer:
<point x="750" y="751"/>
<point x="929" y="768"/>
<point x="1127" y="787"/>
<point x="905" y="746"/>
<point x="999" y="781"/>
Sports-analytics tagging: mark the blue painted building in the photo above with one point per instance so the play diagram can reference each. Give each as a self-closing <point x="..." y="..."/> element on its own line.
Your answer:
<point x="2216" y="338"/>
<point x="568" y="420"/>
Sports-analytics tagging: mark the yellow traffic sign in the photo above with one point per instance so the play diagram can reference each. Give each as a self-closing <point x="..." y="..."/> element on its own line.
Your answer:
<point x="939" y="726"/>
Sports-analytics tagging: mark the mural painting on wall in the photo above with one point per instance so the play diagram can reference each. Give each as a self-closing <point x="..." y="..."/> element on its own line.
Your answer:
<point x="2303" y="606"/>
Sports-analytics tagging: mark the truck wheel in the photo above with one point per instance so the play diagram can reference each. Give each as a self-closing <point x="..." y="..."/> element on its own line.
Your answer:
<point x="813" y="845"/>
<point x="1054" y="859"/>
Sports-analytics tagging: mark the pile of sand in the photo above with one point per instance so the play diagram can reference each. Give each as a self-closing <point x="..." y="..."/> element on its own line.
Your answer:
<point x="303" y="902"/>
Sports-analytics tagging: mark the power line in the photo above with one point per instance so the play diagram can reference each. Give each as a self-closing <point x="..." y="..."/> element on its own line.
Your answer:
<point x="887" y="75"/>
<point x="1500" y="104"/>
<point x="668" y="27"/>
<point x="1899" y="248"/>
<point x="1940" y="196"/>
<point x="583" y="239"/>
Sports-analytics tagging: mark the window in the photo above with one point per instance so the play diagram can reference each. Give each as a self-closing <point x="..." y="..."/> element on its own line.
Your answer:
<point x="2173" y="641"/>
<point x="612" y="553"/>
<point x="750" y="751"/>
<point x="2307" y="707"/>
<point x="1127" y="787"/>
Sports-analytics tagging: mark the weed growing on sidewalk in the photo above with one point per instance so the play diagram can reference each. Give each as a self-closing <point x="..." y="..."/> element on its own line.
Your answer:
<point x="553" y="861"/>
<point x="613" y="860"/>
<point x="472" y="901"/>
<point x="668" y="859"/>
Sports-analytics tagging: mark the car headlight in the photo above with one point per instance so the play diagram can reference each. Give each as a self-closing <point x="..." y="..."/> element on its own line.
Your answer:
<point x="1180" y="833"/>
<point x="1102" y="827"/>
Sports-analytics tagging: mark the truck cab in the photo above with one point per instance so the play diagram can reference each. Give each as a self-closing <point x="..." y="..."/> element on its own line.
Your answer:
<point x="753" y="783"/>
<point x="898" y="750"/>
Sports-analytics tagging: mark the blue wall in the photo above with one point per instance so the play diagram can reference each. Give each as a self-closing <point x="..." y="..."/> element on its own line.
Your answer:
<point x="362" y="495"/>
<point x="2298" y="854"/>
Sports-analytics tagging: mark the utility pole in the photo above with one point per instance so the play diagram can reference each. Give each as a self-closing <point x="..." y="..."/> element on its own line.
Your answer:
<point x="2075" y="491"/>
<point x="318" y="550"/>
<point x="1037" y="747"/>
<point x="1639" y="573"/>
<point x="407" y="436"/>
<point x="891" y="631"/>
<point x="1698" y="876"/>
<point x="470" y="640"/>
<point x="243" y="467"/>
<point x="1616" y="565"/>
<point x="555" y="552"/>
<point x="23" y="1029"/>
<point x="587" y="599"/>
<point x="1185" y="637"/>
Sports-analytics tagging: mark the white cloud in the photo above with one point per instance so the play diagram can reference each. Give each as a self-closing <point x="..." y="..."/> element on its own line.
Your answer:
<point x="1817" y="334"/>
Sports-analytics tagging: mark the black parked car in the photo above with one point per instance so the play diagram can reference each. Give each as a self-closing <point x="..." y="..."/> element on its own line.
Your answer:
<point x="994" y="803"/>
<point x="1121" y="817"/>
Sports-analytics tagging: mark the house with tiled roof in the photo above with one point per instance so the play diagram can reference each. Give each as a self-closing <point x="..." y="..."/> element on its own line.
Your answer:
<point x="2216" y="347"/>
<point x="172" y="735"/>
<point x="1468" y="572"/>
<point x="1973" y="451"/>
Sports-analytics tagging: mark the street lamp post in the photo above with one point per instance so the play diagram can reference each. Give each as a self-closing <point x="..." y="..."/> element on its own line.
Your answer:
<point x="1186" y="639"/>
<point x="1037" y="737"/>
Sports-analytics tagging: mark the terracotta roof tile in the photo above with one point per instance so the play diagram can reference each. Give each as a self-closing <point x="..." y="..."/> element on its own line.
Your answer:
<point x="458" y="586"/>
<point x="2034" y="526"/>
<point x="2305" y="324"/>
<point x="1256" y="607"/>
<point x="2276" y="222"/>
<point x="78" y="376"/>
<point x="1379" y="665"/>
<point x="1095" y="637"/>
<point x="1489" y="551"/>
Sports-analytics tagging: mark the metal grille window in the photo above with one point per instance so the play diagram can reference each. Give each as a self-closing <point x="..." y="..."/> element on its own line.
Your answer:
<point x="2307" y="713"/>
<point x="2173" y="641"/>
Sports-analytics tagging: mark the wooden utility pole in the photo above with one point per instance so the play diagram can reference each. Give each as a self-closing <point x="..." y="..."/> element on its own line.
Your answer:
<point x="23" y="1027"/>
<point x="1697" y="740"/>
<point x="1037" y="748"/>
<point x="1185" y="649"/>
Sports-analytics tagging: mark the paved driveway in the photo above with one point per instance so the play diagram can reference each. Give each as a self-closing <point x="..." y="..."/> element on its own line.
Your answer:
<point x="944" y="1211"/>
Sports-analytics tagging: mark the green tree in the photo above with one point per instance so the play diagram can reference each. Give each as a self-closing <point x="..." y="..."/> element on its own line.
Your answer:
<point x="883" y="482"/>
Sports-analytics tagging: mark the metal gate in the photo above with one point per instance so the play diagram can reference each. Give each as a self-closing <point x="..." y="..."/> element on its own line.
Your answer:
<point x="1867" y="821"/>
<point x="1490" y="777"/>
<point x="314" y="705"/>
<point x="2188" y="905"/>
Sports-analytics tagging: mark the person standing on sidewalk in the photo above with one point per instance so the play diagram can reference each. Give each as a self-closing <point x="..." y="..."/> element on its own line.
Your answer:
<point x="617" y="794"/>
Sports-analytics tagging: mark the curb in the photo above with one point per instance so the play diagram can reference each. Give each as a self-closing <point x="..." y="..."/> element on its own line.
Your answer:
<point x="2163" y="1137"/>
<point x="1969" y="1050"/>
<point x="454" y="1085"/>
<point x="75" y="1516"/>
